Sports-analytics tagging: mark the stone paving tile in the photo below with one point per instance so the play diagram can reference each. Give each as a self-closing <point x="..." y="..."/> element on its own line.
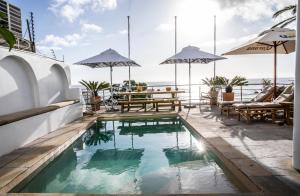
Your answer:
<point x="264" y="151"/>
<point x="4" y="160"/>
<point x="230" y="152"/>
<point x="26" y="161"/>
<point x="7" y="174"/>
<point x="274" y="185"/>
<point x="250" y="167"/>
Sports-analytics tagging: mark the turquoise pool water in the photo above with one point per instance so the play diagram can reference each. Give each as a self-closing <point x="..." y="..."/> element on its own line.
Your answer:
<point x="135" y="156"/>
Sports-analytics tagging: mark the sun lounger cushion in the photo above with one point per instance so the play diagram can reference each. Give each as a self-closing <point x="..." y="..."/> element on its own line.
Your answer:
<point x="286" y="95"/>
<point x="224" y="103"/>
<point x="258" y="105"/>
<point x="265" y="93"/>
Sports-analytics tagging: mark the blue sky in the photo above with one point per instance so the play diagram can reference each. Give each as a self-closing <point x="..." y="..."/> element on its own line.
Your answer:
<point x="79" y="29"/>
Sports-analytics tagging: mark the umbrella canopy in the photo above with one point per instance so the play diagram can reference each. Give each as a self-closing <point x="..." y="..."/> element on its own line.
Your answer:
<point x="108" y="58"/>
<point x="192" y="54"/>
<point x="273" y="41"/>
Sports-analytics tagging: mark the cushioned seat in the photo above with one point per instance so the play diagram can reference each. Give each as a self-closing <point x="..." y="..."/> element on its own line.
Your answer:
<point x="13" y="117"/>
<point x="223" y="103"/>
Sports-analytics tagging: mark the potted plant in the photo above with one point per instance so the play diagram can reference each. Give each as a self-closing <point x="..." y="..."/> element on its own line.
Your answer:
<point x="213" y="84"/>
<point x="168" y="88"/>
<point x="228" y="95"/>
<point x="94" y="87"/>
<point x="125" y="86"/>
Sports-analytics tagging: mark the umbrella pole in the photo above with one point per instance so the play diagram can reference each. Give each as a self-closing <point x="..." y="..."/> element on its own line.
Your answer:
<point x="176" y="52"/>
<point x="275" y="69"/>
<point x="190" y="90"/>
<point x="190" y="95"/>
<point x="111" y="84"/>
<point x="129" y="68"/>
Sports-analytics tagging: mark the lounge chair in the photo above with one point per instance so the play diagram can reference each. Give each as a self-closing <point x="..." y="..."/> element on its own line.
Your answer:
<point x="261" y="110"/>
<point x="264" y="96"/>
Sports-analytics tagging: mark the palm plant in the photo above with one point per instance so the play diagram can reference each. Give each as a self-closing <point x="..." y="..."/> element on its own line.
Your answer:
<point x="213" y="83"/>
<point x="266" y="82"/>
<point x="236" y="81"/>
<point x="95" y="136"/>
<point x="5" y="33"/>
<point x="289" y="20"/>
<point x="94" y="86"/>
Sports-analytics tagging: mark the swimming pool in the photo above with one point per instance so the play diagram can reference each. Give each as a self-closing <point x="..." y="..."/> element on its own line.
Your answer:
<point x="148" y="156"/>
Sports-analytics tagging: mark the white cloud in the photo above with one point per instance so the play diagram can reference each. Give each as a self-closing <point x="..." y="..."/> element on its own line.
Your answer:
<point x="42" y="48"/>
<point x="252" y="10"/>
<point x="57" y="41"/>
<point x="71" y="13"/>
<point x="104" y="4"/>
<point x="72" y="9"/>
<point x="91" y="28"/>
<point x="164" y="27"/>
<point x="123" y="32"/>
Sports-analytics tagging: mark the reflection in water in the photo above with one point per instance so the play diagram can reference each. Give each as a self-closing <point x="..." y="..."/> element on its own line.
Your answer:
<point x="110" y="159"/>
<point x="94" y="135"/>
<point x="105" y="160"/>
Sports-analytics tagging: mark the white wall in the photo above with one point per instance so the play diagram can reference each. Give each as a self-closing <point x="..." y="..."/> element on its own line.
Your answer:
<point x="27" y="81"/>
<point x="31" y="80"/>
<point x="17" y="85"/>
<point x="20" y="133"/>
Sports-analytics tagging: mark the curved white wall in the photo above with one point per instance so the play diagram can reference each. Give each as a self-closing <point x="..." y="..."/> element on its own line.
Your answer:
<point x="18" y="85"/>
<point x="29" y="80"/>
<point x="57" y="85"/>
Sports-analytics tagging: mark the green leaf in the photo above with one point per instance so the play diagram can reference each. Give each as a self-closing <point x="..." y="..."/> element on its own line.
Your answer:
<point x="8" y="37"/>
<point x="285" y="22"/>
<point x="292" y="8"/>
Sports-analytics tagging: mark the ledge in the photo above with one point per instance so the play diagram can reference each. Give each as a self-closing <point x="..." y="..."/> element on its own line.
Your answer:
<point x="13" y="117"/>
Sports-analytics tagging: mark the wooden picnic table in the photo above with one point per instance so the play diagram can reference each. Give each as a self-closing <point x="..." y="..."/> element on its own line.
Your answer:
<point x="130" y="94"/>
<point x="155" y="101"/>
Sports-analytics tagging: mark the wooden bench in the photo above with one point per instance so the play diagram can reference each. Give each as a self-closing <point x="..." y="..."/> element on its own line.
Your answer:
<point x="156" y="103"/>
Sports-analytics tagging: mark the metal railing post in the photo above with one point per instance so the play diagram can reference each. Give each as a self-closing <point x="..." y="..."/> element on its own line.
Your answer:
<point x="241" y="94"/>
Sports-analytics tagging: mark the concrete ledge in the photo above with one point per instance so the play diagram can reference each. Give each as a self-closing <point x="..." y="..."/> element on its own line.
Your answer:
<point x="13" y="117"/>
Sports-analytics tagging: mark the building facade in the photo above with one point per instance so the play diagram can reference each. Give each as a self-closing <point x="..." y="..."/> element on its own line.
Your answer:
<point x="13" y="18"/>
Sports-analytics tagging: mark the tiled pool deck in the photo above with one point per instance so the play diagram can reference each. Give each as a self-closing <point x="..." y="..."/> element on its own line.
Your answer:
<point x="258" y="153"/>
<point x="250" y="146"/>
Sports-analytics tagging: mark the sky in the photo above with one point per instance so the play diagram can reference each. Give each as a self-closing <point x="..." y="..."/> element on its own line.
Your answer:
<point x="78" y="29"/>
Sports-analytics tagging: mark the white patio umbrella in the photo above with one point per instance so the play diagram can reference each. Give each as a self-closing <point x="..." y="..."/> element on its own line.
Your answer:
<point x="273" y="41"/>
<point x="108" y="58"/>
<point x="192" y="54"/>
